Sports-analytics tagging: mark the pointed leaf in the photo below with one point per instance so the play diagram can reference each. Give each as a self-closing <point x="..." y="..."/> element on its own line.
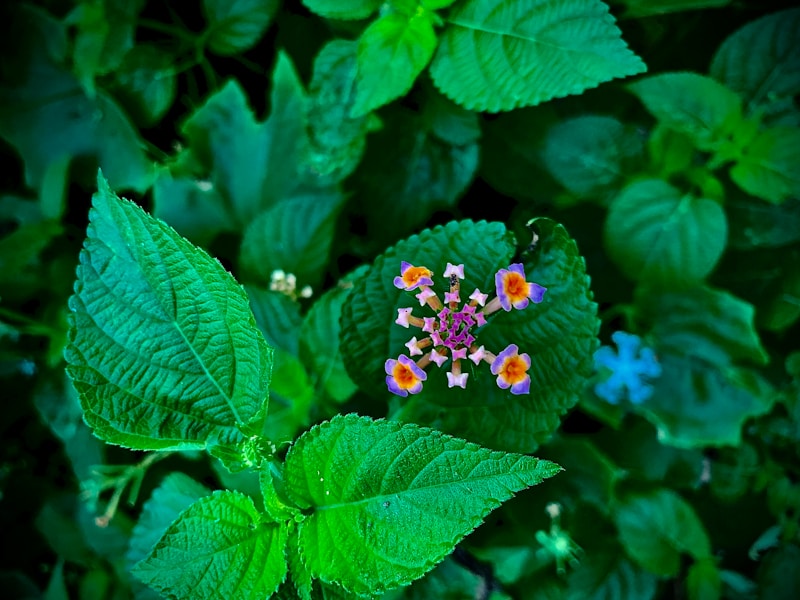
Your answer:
<point x="392" y="52"/>
<point x="770" y="165"/>
<point x="163" y="348"/>
<point x="362" y="482"/>
<point x="693" y="104"/>
<point x="343" y="9"/>
<point x="220" y="547"/>
<point x="761" y="61"/>
<point x="236" y="25"/>
<point x="659" y="235"/>
<point x="502" y="54"/>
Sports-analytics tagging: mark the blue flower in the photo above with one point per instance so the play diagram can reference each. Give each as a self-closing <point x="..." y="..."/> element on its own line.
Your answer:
<point x="630" y="367"/>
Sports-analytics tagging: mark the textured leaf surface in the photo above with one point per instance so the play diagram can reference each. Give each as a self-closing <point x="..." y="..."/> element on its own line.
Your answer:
<point x="657" y="527"/>
<point x="163" y="348"/>
<point x="761" y="61"/>
<point x="770" y="165"/>
<point x="236" y="25"/>
<point x="343" y="9"/>
<point x="294" y="235"/>
<point x="559" y="334"/>
<point x="711" y="324"/>
<point x="658" y="234"/>
<point x="502" y="54"/>
<point x="693" y="104"/>
<point x="220" y="547"/>
<point x="392" y="52"/>
<point x="588" y="155"/>
<point x="362" y="482"/>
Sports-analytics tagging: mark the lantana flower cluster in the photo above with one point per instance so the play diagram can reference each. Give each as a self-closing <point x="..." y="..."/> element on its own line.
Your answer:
<point x="629" y="370"/>
<point x="452" y="329"/>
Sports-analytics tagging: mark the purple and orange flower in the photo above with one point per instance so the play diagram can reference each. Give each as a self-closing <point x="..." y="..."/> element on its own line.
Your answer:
<point x="453" y="329"/>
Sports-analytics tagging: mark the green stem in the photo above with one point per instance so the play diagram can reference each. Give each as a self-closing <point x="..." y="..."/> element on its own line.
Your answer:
<point x="170" y="30"/>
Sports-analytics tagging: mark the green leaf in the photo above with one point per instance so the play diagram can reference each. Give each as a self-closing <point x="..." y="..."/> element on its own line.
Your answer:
<point x="609" y="574"/>
<point x="761" y="61"/>
<point x="778" y="576"/>
<point x="704" y="581"/>
<point x="343" y="9"/>
<point x="362" y="482"/>
<point x="291" y="398"/>
<point x="769" y="167"/>
<point x="758" y="224"/>
<point x="414" y="172"/>
<point x="657" y="527"/>
<point x="236" y="25"/>
<point x="451" y="581"/>
<point x="656" y="233"/>
<point x="252" y="164"/>
<point x="498" y="55"/>
<point x="589" y="155"/>
<point x="294" y="235"/>
<point x="392" y="52"/>
<point x="45" y="115"/>
<point x="319" y="343"/>
<point x="221" y="546"/>
<point x="703" y="322"/>
<point x="693" y="104"/>
<point x="636" y="9"/>
<point x="175" y="493"/>
<point x="163" y="348"/>
<point x="337" y="140"/>
<point x="278" y="317"/>
<point x="695" y="403"/>
<point x="146" y="83"/>
<point x="671" y="151"/>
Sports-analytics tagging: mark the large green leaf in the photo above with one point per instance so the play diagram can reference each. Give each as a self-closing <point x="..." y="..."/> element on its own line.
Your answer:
<point x="163" y="348"/>
<point x="657" y="527"/>
<point x="711" y="324"/>
<point x="769" y="166"/>
<point x="236" y="25"/>
<point x="362" y="483"/>
<point x="559" y="334"/>
<point x="761" y="61"/>
<point x="502" y="54"/>
<point x="693" y="104"/>
<point x="45" y="114"/>
<point x="392" y="52"/>
<point x="220" y="547"/>
<point x="608" y="574"/>
<point x="656" y="233"/>
<point x="294" y="235"/>
<point x="343" y="9"/>
<point x="590" y="154"/>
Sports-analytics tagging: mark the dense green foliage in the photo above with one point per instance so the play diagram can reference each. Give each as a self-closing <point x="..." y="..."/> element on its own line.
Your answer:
<point x="212" y="389"/>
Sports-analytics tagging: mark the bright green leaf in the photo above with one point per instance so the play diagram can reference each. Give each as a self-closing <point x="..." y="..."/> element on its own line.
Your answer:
<point x="319" y="343"/>
<point x="294" y="235"/>
<point x="392" y="52"/>
<point x="502" y="54"/>
<point x="671" y="152"/>
<point x="761" y="61"/>
<point x="220" y="547"/>
<point x="693" y="104"/>
<point x="362" y="482"/>
<point x="590" y="154"/>
<point x="703" y="581"/>
<point x="703" y="322"/>
<point x="236" y="25"/>
<point x="343" y="9"/>
<point x="657" y="527"/>
<point x="656" y="233"/>
<point x="175" y="493"/>
<point x="163" y="348"/>
<point x="769" y="167"/>
<point x="146" y="83"/>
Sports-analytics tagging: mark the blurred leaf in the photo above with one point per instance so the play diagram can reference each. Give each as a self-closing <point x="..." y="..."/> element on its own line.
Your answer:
<point x="770" y="165"/>
<point x="693" y="104"/>
<point x="733" y="471"/>
<point x="20" y="251"/>
<point x="636" y="9"/>
<point x="146" y="83"/>
<point x="671" y="151"/>
<point x="148" y="302"/>
<point x="291" y="399"/>
<point x="703" y="322"/>
<point x="236" y="25"/>
<point x="221" y="546"/>
<point x="490" y="51"/>
<point x="392" y="52"/>
<point x="451" y="581"/>
<point x="294" y="235"/>
<point x="778" y="576"/>
<point x="757" y="224"/>
<point x="343" y="9"/>
<point x="609" y="574"/>
<point x="761" y="61"/>
<point x="659" y="235"/>
<point x="703" y="581"/>
<point x="657" y="527"/>
<point x="277" y="316"/>
<point x="589" y="155"/>
<point x="46" y="116"/>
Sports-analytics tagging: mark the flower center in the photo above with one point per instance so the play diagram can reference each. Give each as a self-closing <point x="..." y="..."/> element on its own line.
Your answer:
<point x="514" y="370"/>
<point x="516" y="286"/>
<point x="404" y="376"/>
<point x="413" y="274"/>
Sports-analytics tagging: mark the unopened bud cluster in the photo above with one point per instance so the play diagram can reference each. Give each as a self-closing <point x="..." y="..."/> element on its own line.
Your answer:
<point x="286" y="283"/>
